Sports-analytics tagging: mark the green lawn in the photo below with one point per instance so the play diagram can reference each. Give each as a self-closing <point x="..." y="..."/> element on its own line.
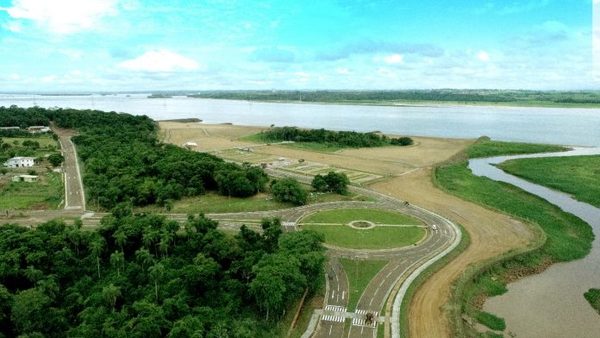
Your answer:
<point x="360" y="273"/>
<point x="44" y="141"/>
<point x="376" y="238"/>
<point x="488" y="148"/>
<point x="593" y="297"/>
<point x="215" y="203"/>
<point x="345" y="216"/>
<point x="45" y="194"/>
<point x="333" y="225"/>
<point x="576" y="175"/>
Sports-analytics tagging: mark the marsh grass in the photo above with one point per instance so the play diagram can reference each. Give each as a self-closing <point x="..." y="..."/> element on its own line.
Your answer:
<point x="575" y="175"/>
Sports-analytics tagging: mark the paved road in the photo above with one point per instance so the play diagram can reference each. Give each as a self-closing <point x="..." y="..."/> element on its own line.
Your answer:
<point x="74" y="194"/>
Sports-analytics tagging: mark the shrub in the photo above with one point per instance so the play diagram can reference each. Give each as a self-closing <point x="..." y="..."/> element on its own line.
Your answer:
<point x="289" y="190"/>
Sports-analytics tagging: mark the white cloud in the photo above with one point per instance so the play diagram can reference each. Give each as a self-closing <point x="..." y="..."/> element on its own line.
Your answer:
<point x="62" y="16"/>
<point x="483" y="56"/>
<point x="343" y="71"/>
<point x="160" y="61"/>
<point x="394" y="59"/>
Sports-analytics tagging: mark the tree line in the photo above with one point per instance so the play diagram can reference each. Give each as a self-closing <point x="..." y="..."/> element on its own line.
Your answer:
<point x="124" y="162"/>
<point x="433" y="95"/>
<point x="351" y="139"/>
<point x="145" y="276"/>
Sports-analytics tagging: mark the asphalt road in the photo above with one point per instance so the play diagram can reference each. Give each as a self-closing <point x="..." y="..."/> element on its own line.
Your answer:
<point x="74" y="194"/>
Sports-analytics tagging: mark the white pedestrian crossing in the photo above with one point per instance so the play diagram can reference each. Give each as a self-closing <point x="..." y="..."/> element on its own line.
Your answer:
<point x="334" y="317"/>
<point x="361" y="320"/>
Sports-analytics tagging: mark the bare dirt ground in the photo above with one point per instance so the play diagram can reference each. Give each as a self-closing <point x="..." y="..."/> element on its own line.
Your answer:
<point x="387" y="161"/>
<point x="409" y="178"/>
<point x="491" y="235"/>
<point x="209" y="137"/>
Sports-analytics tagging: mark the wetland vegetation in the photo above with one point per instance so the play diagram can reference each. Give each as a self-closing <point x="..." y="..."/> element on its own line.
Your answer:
<point x="565" y="238"/>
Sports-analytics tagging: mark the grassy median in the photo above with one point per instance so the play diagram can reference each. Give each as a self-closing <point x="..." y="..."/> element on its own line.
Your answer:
<point x="360" y="273"/>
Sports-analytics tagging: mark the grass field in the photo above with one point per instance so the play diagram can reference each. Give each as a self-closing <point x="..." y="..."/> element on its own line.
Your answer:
<point x="488" y="148"/>
<point x="376" y="238"/>
<point x="44" y="140"/>
<point x="360" y="273"/>
<point x="575" y="175"/>
<point x="593" y="297"/>
<point x="345" y="216"/>
<point x="567" y="237"/>
<point x="45" y="194"/>
<point x="333" y="225"/>
<point x="215" y="203"/>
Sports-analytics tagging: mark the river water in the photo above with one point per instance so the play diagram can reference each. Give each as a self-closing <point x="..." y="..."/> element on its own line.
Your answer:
<point x="572" y="126"/>
<point x="550" y="304"/>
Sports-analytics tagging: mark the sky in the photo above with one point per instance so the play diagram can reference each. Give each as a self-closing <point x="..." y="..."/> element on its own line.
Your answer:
<point x="137" y="45"/>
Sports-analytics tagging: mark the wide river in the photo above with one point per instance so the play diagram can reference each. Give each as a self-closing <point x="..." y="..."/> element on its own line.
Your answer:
<point x="550" y="304"/>
<point x="570" y="126"/>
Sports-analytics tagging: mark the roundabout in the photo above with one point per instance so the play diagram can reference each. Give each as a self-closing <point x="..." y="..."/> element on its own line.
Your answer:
<point x="366" y="228"/>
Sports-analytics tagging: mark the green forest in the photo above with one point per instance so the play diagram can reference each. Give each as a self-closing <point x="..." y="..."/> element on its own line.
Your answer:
<point x="518" y="97"/>
<point x="144" y="276"/>
<point x="124" y="162"/>
<point x="350" y="139"/>
<point x="141" y="275"/>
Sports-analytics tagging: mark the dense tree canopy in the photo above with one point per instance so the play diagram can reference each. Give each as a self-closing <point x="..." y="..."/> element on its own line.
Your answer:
<point x="124" y="162"/>
<point x="351" y="139"/>
<point x="289" y="190"/>
<point x="145" y="276"/>
<point x="332" y="182"/>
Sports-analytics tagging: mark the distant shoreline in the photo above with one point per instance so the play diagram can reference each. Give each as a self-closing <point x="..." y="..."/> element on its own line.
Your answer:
<point x="439" y="104"/>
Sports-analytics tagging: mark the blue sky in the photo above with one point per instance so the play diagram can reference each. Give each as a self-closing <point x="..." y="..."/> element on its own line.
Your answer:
<point x="93" y="45"/>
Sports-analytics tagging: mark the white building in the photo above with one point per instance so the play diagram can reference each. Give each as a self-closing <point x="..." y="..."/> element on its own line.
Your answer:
<point x="19" y="162"/>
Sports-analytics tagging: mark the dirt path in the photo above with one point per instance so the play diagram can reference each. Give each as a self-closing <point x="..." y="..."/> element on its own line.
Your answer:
<point x="491" y="235"/>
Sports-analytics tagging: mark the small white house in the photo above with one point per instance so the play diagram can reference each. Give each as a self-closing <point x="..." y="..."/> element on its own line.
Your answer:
<point x="25" y="178"/>
<point x="19" y="162"/>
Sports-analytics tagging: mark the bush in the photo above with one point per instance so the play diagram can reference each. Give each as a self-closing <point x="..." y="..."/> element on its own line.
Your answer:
<point x="401" y="141"/>
<point x="289" y="190"/>
<point x="56" y="159"/>
<point x="332" y="182"/>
